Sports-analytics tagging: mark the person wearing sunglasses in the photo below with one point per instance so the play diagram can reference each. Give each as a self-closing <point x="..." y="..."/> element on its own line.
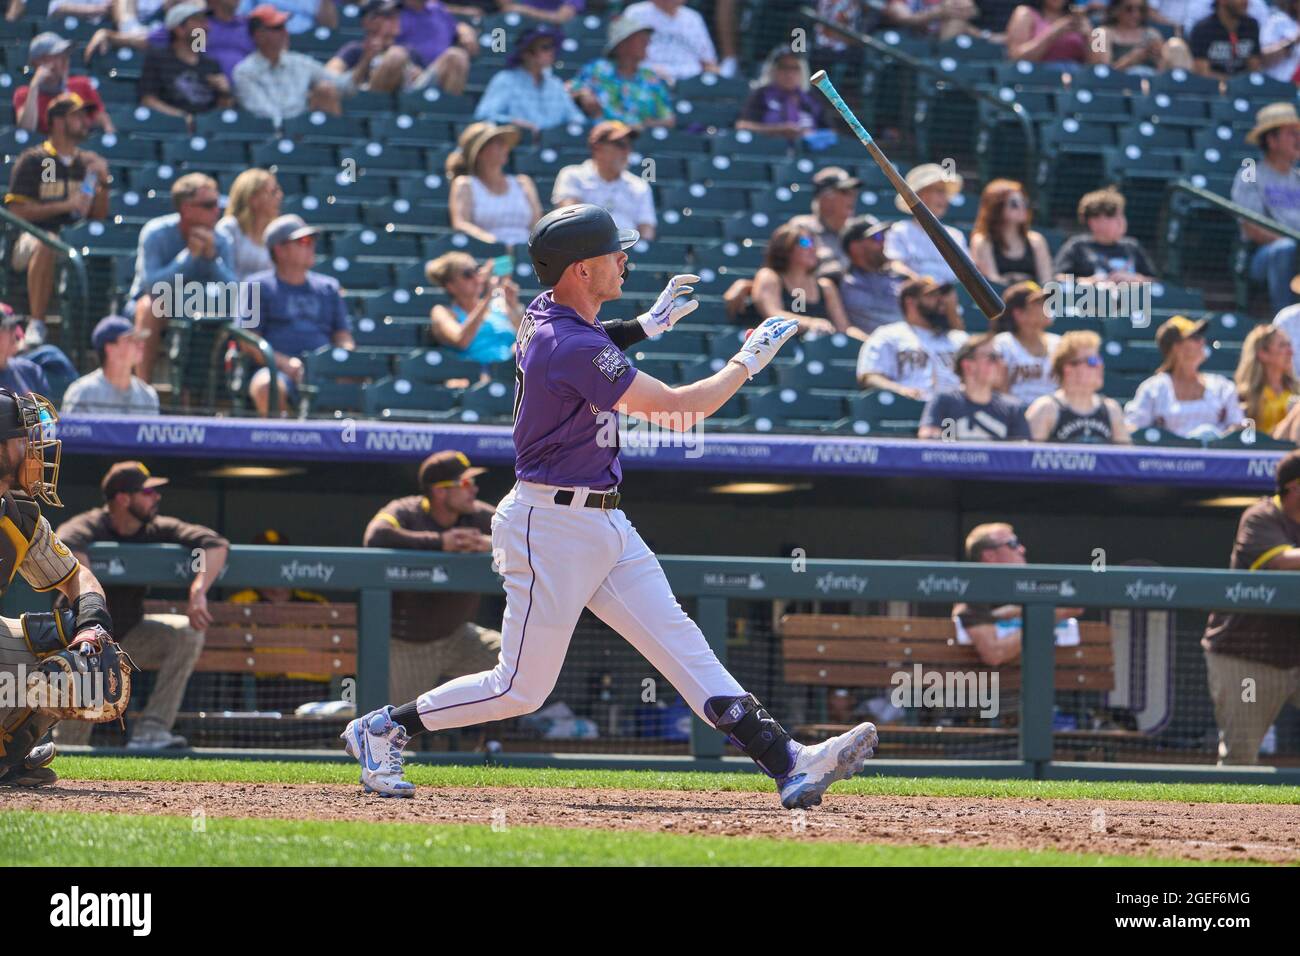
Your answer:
<point x="168" y="643"/>
<point x="1267" y="385"/>
<point x="788" y="286"/>
<point x="180" y="247"/>
<point x="1104" y="253"/>
<point x="1077" y="411"/>
<point x="869" y="287"/>
<point x="1179" y="397"/>
<point x="1132" y="44"/>
<point x="434" y="637"/>
<point x="915" y="358"/>
<point x="976" y="411"/>
<point x="1003" y="245"/>
<point x="296" y="310"/>
<point x="480" y="323"/>
<point x="527" y="94"/>
<point x="1271" y="188"/>
<point x="995" y="632"/>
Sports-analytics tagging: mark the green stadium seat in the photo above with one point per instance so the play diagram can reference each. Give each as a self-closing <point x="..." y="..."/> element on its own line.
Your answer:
<point x="405" y="129"/>
<point x="331" y="215"/>
<point x="1221" y="137"/>
<point x="971" y="49"/>
<point x="487" y="401"/>
<point x="829" y="348"/>
<point x="746" y="143"/>
<point x="403" y="215"/>
<point x="1179" y="83"/>
<point x="1103" y="78"/>
<point x="778" y="205"/>
<point x="401" y="399"/>
<point x="1235" y="111"/>
<point x="682" y="339"/>
<point x="129" y="206"/>
<point x="433" y="246"/>
<point x="725" y="170"/>
<point x="432" y="366"/>
<point x="372" y="104"/>
<point x="388" y="332"/>
<point x="718" y="201"/>
<point x="1230" y="327"/>
<point x="1224" y="358"/>
<point x="668" y="142"/>
<point x="373" y="156"/>
<point x="789" y="408"/>
<point x="355" y="276"/>
<point x="340" y="188"/>
<point x="118" y="92"/>
<point x="300" y="157"/>
<point x="1024" y="75"/>
<point x="701" y="115"/>
<point x="144" y="122"/>
<point x="434" y="103"/>
<point x="196" y="154"/>
<point x="1172" y="297"/>
<point x="329" y="362"/>
<point x="107" y="237"/>
<point x="1259" y="88"/>
<point x="1172" y="110"/>
<point x="1089" y="104"/>
<point x="1152" y="137"/>
<point x="1243" y="440"/>
<point x="879" y="411"/>
<point x="569" y="136"/>
<point x="814" y="373"/>
<point x="232" y="125"/>
<point x="711" y="86"/>
<point x="1131" y="356"/>
<point x="732" y="257"/>
<point x="118" y="151"/>
<point x="375" y="245"/>
<point x="402" y="302"/>
<point x="320" y="128"/>
<point x="1159" y="436"/>
<point x="431" y="189"/>
<point x="665" y="370"/>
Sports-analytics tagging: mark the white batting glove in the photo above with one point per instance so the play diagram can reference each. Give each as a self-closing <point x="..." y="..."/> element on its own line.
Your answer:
<point x="763" y="343"/>
<point x="671" y="306"/>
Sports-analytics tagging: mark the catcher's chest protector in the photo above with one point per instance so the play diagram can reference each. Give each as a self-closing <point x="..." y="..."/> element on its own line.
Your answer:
<point x="18" y="520"/>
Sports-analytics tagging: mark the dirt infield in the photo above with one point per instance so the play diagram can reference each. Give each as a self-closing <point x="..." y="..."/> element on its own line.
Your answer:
<point x="1195" y="831"/>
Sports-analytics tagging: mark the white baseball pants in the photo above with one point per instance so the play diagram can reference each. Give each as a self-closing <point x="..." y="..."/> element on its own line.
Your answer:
<point x="556" y="560"/>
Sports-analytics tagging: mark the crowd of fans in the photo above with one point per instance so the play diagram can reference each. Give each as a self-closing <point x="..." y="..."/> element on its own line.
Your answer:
<point x="881" y="283"/>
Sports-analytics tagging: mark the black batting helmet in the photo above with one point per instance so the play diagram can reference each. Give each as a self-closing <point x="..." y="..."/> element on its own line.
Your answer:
<point x="571" y="234"/>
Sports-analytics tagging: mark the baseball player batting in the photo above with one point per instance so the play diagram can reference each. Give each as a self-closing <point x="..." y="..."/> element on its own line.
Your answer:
<point x="561" y="541"/>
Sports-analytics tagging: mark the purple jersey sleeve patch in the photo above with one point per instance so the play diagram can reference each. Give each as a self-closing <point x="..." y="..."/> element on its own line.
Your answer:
<point x="612" y="363"/>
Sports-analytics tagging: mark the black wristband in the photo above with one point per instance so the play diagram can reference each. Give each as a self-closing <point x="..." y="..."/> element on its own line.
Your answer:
<point x="91" y="609"/>
<point x="625" y="332"/>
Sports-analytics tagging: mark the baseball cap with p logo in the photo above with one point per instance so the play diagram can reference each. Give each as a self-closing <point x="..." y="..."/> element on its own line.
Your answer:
<point x="128" y="477"/>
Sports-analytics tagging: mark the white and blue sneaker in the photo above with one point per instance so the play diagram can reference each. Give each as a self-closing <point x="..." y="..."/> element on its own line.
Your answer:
<point x="375" y="741"/>
<point x="817" y="767"/>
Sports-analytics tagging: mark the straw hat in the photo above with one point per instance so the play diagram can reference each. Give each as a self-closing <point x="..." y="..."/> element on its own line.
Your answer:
<point x="478" y="135"/>
<point x="1271" y="117"/>
<point x="928" y="174"/>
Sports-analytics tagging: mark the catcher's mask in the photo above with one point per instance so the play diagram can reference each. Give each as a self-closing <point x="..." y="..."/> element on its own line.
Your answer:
<point x="31" y="416"/>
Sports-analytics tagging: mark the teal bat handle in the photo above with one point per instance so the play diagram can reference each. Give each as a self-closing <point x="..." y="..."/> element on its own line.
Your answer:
<point x="823" y="83"/>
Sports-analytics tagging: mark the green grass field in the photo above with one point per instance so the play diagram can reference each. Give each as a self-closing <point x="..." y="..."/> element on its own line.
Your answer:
<point x="35" y="838"/>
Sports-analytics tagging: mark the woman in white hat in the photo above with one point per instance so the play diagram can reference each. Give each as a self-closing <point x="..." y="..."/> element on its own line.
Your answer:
<point x="907" y="242"/>
<point x="486" y="203"/>
<point x="1179" y="397"/>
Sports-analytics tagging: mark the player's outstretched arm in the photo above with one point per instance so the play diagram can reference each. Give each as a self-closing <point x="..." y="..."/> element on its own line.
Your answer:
<point x="683" y="406"/>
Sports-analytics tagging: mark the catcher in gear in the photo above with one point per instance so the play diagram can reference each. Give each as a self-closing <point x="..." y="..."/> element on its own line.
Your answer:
<point x="54" y="665"/>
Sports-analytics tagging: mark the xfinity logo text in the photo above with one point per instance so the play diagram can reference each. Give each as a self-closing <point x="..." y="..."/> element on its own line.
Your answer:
<point x="74" y="909"/>
<point x="1141" y="590"/>
<point x="297" y="571"/>
<point x="841" y="582"/>
<point x="1250" y="592"/>
<point x="930" y="584"/>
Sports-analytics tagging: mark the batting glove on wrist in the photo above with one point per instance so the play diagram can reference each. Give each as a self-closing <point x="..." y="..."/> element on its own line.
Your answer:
<point x="671" y="306"/>
<point x="763" y="343"/>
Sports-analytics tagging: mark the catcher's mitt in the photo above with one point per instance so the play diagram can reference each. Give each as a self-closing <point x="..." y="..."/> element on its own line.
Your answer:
<point x="89" y="681"/>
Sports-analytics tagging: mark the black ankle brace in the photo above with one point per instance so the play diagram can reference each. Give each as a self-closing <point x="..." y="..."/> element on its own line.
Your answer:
<point x="753" y="730"/>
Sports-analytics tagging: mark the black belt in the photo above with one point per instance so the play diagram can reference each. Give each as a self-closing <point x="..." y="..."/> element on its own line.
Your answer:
<point x="604" y="500"/>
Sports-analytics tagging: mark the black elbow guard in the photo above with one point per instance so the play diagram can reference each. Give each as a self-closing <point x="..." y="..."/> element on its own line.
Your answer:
<point x="91" y="609"/>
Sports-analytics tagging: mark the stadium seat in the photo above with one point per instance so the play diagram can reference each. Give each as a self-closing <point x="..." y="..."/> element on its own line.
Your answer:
<point x="828" y="348"/>
<point x="355" y="276"/>
<point x="789" y="409"/>
<point x="1172" y="110"/>
<point x="329" y="362"/>
<point x="682" y="340"/>
<point x="433" y="246"/>
<point x="403" y="215"/>
<point x="232" y="125"/>
<point x="879" y="411"/>
<point x="778" y="205"/>
<point x="743" y="142"/>
<point x="118" y="151"/>
<point x="1183" y="83"/>
<point x="300" y="157"/>
<point x="145" y="123"/>
<point x="1024" y="75"/>
<point x="971" y="49"/>
<point x="107" y="237"/>
<point x="330" y="215"/>
<point x="132" y="207"/>
<point x="375" y="245"/>
<point x="727" y="170"/>
<point x="711" y="86"/>
<point x="388" y="332"/>
<point x="431" y="189"/>
<point x="196" y="154"/>
<point x="487" y="401"/>
<point x="431" y="366"/>
<point x="1234" y="111"/>
<point x="1088" y="104"/>
<point x="1131" y="356"/>
<point x="1159" y="436"/>
<point x="401" y="399"/>
<point x="373" y="156"/>
<point x="405" y="129"/>
<point x="343" y="188"/>
<point x="665" y="370"/>
<point x="661" y="141"/>
<point x="1223" y="358"/>
<point x="1259" y="88"/>
<point x="322" y="129"/>
<point x="731" y="257"/>
<point x="814" y="373"/>
<point x="434" y="103"/>
<point x="1249" y="440"/>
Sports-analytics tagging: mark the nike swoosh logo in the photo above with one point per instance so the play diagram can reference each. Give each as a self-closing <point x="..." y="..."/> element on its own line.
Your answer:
<point x="363" y="743"/>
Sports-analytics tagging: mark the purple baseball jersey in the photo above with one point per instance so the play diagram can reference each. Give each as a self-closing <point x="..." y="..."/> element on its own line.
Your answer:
<point x="569" y="375"/>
